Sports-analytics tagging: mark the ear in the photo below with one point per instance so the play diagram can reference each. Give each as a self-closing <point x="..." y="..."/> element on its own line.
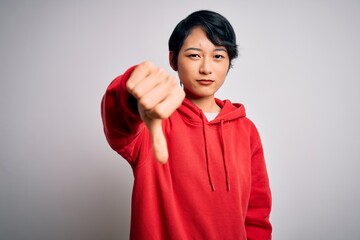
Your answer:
<point x="171" y="61"/>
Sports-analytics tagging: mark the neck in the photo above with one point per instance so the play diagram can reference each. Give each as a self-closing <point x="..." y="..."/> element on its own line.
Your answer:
<point x="206" y="104"/>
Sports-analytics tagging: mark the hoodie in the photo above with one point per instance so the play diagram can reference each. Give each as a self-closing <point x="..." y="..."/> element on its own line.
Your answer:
<point x="215" y="184"/>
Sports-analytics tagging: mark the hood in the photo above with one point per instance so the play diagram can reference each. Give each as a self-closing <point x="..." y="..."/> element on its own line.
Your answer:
<point x="229" y="111"/>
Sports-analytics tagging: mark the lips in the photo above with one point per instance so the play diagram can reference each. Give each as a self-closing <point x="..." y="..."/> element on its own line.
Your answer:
<point x="205" y="81"/>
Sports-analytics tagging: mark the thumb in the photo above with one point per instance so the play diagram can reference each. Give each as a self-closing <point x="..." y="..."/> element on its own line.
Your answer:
<point x="158" y="140"/>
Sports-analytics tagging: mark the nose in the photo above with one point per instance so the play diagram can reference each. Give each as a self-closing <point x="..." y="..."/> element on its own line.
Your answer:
<point x="205" y="67"/>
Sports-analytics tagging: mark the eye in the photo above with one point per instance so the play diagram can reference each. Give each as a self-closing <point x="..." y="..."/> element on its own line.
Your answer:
<point x="219" y="56"/>
<point x="194" y="55"/>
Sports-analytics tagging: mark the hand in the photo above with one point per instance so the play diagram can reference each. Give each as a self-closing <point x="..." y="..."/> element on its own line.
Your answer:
<point x="158" y="95"/>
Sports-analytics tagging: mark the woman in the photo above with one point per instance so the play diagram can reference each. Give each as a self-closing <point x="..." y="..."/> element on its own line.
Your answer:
<point x="211" y="182"/>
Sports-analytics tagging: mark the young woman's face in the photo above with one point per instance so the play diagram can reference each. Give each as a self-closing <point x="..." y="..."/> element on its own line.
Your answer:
<point x="202" y="66"/>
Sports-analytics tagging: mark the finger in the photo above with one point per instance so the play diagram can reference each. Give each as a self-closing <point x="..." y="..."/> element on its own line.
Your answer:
<point x="144" y="77"/>
<point x="152" y="80"/>
<point x="141" y="70"/>
<point x="158" y="141"/>
<point x="139" y="73"/>
<point x="158" y="93"/>
<point x="165" y="108"/>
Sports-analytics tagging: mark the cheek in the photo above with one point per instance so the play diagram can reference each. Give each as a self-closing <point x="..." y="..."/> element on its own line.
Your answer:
<point x="221" y="78"/>
<point x="182" y="75"/>
<point x="222" y="71"/>
<point x="185" y="72"/>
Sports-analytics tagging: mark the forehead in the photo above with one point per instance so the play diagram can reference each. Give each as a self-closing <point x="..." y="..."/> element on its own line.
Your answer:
<point x="197" y="38"/>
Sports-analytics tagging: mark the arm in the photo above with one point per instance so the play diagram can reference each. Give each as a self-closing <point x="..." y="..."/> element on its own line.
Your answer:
<point x="258" y="226"/>
<point x="120" y="117"/>
<point x="139" y="99"/>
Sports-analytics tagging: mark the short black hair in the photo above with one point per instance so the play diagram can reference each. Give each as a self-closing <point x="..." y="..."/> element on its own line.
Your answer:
<point x="217" y="28"/>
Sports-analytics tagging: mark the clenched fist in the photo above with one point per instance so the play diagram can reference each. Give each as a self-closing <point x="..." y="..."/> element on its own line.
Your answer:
<point x="158" y="95"/>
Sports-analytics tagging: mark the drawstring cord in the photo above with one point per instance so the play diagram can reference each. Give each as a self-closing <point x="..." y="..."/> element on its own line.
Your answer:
<point x="207" y="157"/>
<point x="224" y="156"/>
<point x="224" y="153"/>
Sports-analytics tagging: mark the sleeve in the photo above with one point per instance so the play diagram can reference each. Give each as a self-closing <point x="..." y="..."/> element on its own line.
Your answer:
<point x="121" y="121"/>
<point x="257" y="222"/>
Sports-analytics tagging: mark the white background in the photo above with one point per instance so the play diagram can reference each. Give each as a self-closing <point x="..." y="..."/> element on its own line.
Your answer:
<point x="298" y="75"/>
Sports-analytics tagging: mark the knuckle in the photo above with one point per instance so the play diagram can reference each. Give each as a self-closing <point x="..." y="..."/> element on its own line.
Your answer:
<point x="145" y="68"/>
<point x="136" y="93"/>
<point x="170" y="82"/>
<point x="161" y="71"/>
<point x="171" y="78"/>
<point x="144" y="104"/>
<point x="147" y="64"/>
<point x="129" y="86"/>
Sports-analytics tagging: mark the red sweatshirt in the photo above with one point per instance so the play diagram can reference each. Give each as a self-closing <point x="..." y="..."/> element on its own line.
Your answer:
<point x="214" y="185"/>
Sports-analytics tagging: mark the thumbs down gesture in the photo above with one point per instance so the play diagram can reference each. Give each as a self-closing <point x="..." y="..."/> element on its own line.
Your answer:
<point x="158" y="95"/>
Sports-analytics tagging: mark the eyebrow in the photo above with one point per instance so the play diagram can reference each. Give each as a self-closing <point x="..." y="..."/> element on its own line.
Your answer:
<point x="199" y="49"/>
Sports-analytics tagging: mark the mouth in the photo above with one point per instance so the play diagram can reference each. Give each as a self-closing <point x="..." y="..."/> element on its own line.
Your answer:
<point x="205" y="81"/>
